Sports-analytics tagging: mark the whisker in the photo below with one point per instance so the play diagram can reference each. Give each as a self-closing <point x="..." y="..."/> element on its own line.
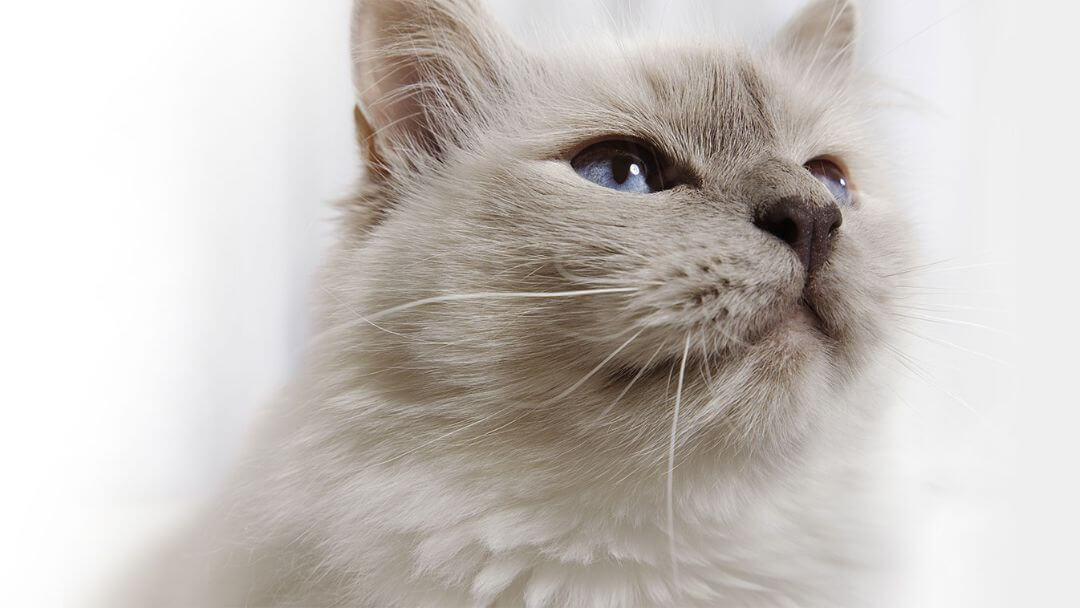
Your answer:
<point x="598" y="366"/>
<point x="707" y="373"/>
<point x="928" y="378"/>
<point x="919" y="267"/>
<point x="534" y="271"/>
<point x="496" y="295"/>
<point x="671" y="466"/>
<point x="949" y="291"/>
<point x="965" y="267"/>
<point x="947" y="307"/>
<point x="360" y="316"/>
<point x="952" y="322"/>
<point x="733" y="339"/>
<point x="919" y="33"/>
<point x="990" y="358"/>
<point x="639" y="373"/>
<point x="573" y="278"/>
<point x="667" y="386"/>
<point x="930" y="267"/>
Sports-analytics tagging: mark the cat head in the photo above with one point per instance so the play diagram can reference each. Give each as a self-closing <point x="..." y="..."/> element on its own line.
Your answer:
<point x="557" y="246"/>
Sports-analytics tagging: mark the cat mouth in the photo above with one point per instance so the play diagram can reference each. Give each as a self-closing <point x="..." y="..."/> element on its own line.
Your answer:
<point x="813" y="315"/>
<point x="805" y="316"/>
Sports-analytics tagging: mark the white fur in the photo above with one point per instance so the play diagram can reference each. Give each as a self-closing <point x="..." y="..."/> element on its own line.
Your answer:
<point x="527" y="390"/>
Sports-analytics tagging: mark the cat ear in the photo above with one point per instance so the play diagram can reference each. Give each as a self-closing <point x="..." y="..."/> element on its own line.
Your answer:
<point x="423" y="71"/>
<point x="821" y="36"/>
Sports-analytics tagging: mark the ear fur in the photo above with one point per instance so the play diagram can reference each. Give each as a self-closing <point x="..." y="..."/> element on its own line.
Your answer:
<point x="821" y="36"/>
<point x="423" y="69"/>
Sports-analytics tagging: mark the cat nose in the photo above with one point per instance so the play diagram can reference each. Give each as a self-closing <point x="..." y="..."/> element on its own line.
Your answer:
<point x="807" y="226"/>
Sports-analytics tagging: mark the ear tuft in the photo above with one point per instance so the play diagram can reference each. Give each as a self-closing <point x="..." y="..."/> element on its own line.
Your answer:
<point x="821" y="36"/>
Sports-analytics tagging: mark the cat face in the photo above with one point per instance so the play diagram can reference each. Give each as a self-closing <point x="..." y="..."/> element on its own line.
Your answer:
<point x="567" y="242"/>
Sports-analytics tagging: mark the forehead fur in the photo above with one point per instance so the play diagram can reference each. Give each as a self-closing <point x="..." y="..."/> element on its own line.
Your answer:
<point x="706" y="107"/>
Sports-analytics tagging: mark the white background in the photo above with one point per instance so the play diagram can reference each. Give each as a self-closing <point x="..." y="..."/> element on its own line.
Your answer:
<point x="165" y="170"/>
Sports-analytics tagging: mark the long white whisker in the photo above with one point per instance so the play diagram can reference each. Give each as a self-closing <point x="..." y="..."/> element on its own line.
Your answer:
<point x="496" y="295"/>
<point x="639" y="373"/>
<point x="360" y="316"/>
<point x="908" y="40"/>
<point x="930" y="268"/>
<point x="708" y="372"/>
<point x="671" y="466"/>
<point x="919" y="372"/>
<point x="917" y="267"/>
<point x="990" y="358"/>
<point x="946" y="307"/>
<point x="598" y="366"/>
<point x="564" y="273"/>
<point x="933" y="319"/>
<point x="949" y="291"/>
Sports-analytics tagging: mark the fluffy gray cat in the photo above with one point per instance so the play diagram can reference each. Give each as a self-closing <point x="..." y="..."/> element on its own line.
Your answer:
<point x="602" y="328"/>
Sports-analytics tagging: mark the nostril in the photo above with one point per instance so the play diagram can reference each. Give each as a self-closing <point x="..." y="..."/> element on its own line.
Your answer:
<point x="789" y="220"/>
<point x="784" y="229"/>
<point x="834" y="219"/>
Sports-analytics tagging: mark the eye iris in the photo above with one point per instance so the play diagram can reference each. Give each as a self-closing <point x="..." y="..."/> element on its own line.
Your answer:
<point x="619" y="165"/>
<point x="832" y="176"/>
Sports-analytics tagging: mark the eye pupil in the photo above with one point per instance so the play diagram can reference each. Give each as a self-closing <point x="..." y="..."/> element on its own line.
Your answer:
<point x="621" y="168"/>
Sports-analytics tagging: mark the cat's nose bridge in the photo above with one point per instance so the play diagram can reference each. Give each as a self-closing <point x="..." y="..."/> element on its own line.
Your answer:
<point x="788" y="203"/>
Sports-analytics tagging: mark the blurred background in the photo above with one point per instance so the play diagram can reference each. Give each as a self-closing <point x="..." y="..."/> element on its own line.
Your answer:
<point x="167" y="170"/>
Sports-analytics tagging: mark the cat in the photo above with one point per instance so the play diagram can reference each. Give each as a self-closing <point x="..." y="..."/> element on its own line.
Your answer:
<point x="603" y="327"/>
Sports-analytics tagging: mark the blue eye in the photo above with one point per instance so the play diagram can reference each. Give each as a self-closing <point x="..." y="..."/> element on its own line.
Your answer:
<point x="620" y="165"/>
<point x="830" y="174"/>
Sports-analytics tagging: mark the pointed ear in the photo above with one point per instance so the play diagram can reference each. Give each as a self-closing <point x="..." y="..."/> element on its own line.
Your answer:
<point x="424" y="70"/>
<point x="821" y="36"/>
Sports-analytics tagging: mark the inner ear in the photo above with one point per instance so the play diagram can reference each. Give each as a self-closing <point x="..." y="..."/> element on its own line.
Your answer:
<point x="365" y="139"/>
<point x="425" y="71"/>
<point x="821" y="36"/>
